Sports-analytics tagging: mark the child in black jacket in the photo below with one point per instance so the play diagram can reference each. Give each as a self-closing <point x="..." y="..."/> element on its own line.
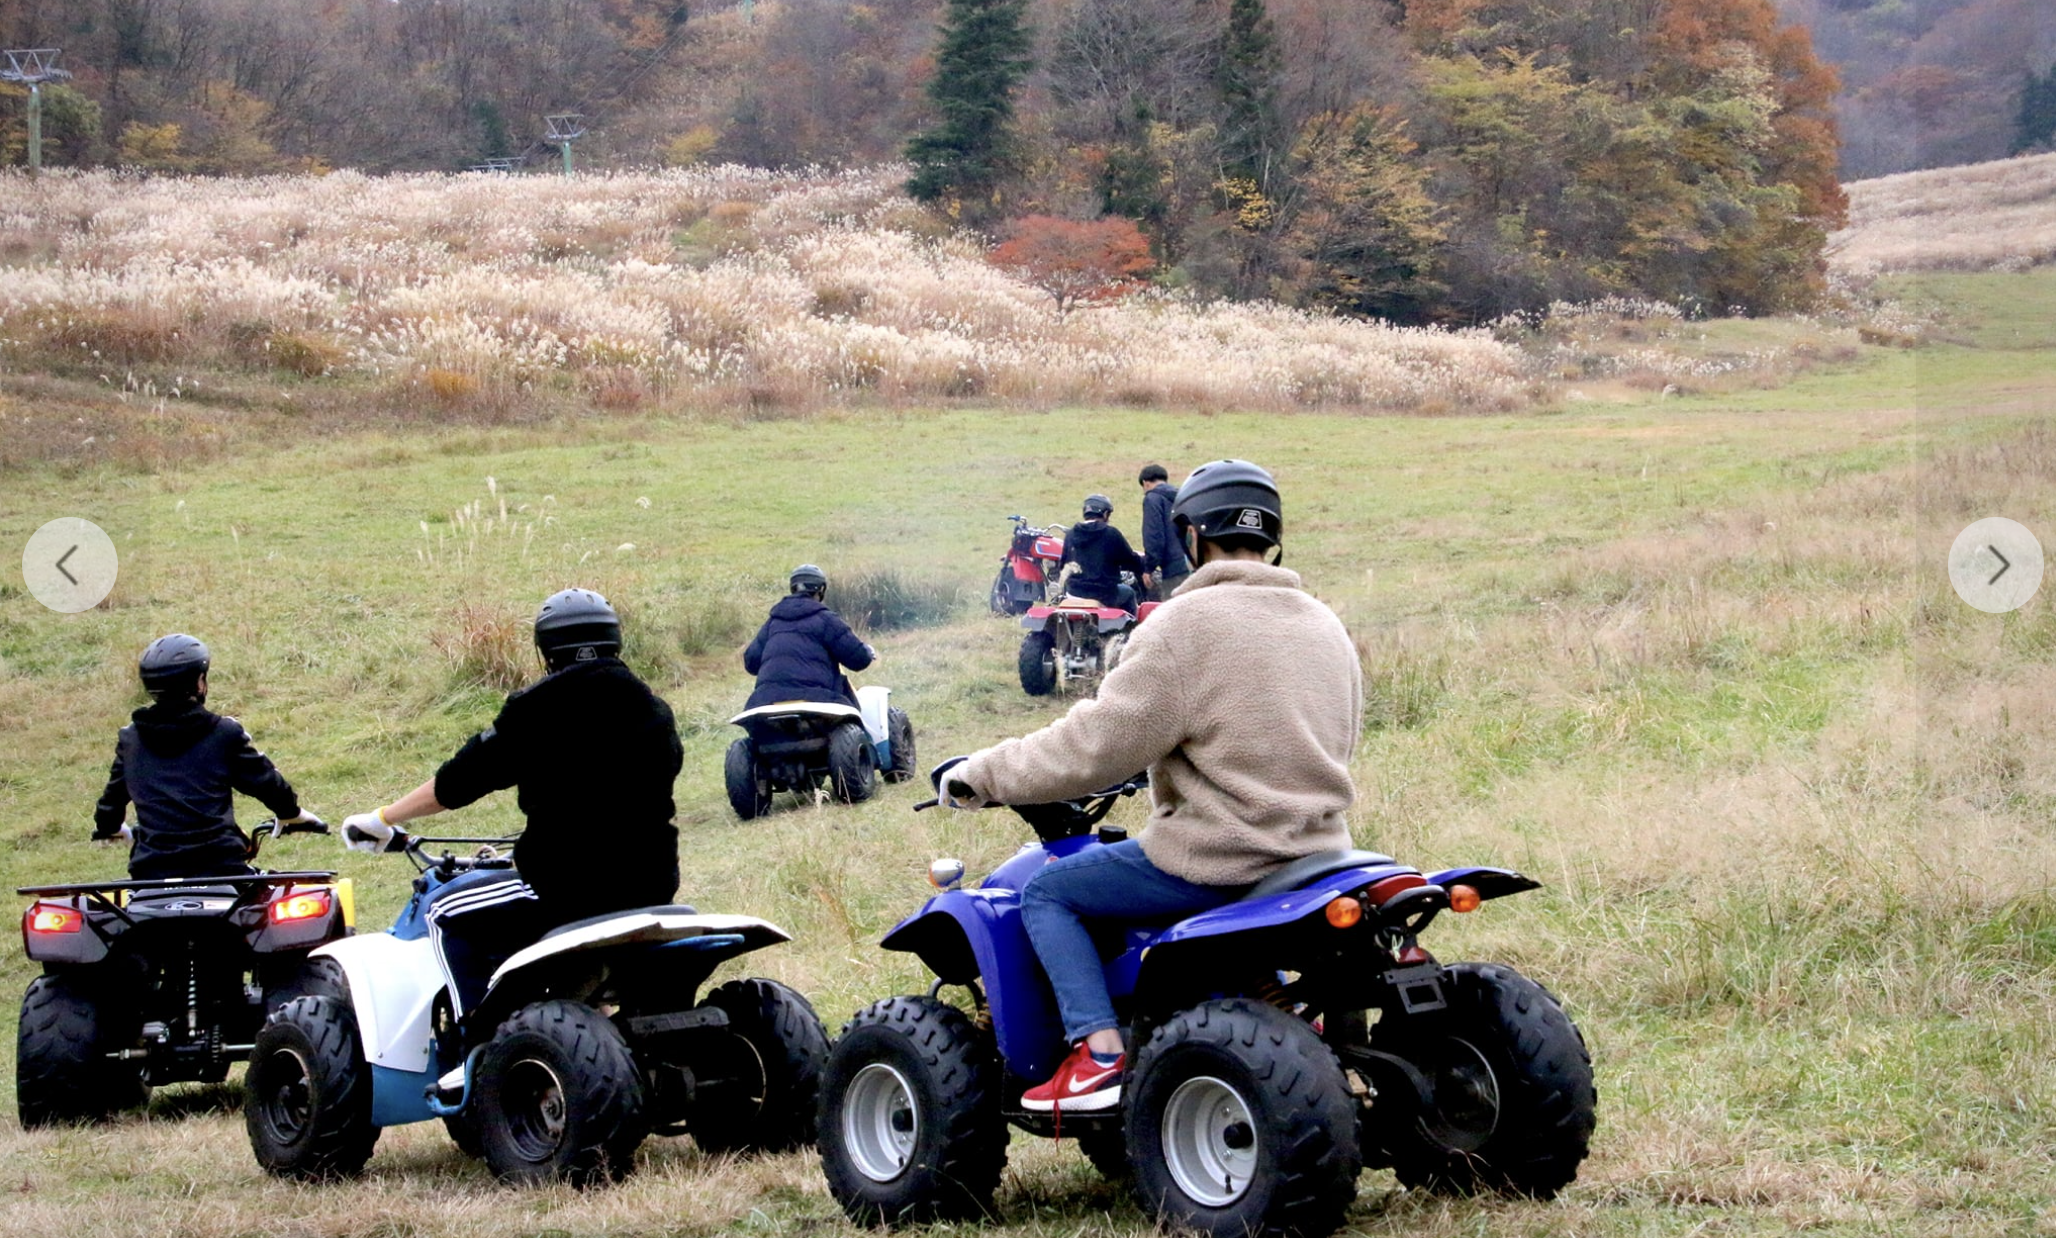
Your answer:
<point x="179" y="765"/>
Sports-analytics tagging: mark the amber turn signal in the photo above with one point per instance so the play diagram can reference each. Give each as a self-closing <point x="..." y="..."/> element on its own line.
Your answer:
<point x="1344" y="912"/>
<point x="1464" y="898"/>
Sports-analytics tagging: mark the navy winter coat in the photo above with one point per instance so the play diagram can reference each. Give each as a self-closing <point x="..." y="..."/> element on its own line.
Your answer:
<point x="799" y="654"/>
<point x="1162" y="551"/>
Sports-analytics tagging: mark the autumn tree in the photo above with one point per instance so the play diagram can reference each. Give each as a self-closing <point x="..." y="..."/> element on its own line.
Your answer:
<point x="970" y="150"/>
<point x="71" y="124"/>
<point x="1360" y="219"/>
<point x="1075" y="260"/>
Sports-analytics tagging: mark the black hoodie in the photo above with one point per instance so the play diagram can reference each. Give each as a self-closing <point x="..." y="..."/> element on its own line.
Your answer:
<point x="1101" y="554"/>
<point x="179" y="764"/>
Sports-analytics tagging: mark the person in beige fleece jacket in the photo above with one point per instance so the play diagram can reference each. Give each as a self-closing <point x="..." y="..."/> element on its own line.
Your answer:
<point x="1243" y="698"/>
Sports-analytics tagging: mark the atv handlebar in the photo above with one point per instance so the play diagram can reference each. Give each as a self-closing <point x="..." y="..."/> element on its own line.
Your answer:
<point x="491" y="853"/>
<point x="274" y="828"/>
<point x="1058" y="819"/>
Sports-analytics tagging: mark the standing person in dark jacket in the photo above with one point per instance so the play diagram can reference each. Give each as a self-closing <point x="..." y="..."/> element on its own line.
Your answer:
<point x="800" y="651"/>
<point x="179" y="765"/>
<point x="593" y="754"/>
<point x="1163" y="552"/>
<point x="1101" y="554"/>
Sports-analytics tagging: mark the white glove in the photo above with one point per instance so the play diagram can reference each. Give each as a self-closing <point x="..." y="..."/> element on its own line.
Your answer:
<point x="972" y="801"/>
<point x="942" y="776"/>
<point x="305" y="818"/>
<point x="125" y="836"/>
<point x="367" y="832"/>
<point x="871" y="652"/>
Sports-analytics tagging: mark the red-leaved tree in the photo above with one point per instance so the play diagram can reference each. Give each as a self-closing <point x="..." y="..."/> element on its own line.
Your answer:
<point x="1076" y="260"/>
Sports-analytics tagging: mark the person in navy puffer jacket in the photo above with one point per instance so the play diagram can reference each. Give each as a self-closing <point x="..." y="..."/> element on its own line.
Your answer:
<point x="800" y="651"/>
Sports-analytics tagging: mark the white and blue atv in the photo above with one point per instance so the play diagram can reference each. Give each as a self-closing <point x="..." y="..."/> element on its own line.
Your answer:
<point x="802" y="746"/>
<point x="587" y="1042"/>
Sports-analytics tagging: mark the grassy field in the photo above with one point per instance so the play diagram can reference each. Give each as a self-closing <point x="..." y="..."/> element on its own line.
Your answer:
<point x="1693" y="661"/>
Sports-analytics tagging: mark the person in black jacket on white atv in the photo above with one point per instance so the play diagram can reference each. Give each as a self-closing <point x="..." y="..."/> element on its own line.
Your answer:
<point x="800" y="652"/>
<point x="591" y="749"/>
<point x="1101" y="554"/>
<point x="179" y="765"/>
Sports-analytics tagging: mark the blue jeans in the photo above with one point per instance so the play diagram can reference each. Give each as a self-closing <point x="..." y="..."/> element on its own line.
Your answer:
<point x="1112" y="884"/>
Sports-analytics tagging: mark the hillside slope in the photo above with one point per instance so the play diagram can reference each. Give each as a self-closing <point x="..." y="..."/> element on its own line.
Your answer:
<point x="1998" y="215"/>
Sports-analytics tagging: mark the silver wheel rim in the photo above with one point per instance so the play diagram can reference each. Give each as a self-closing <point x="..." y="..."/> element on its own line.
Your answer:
<point x="1466" y="1096"/>
<point x="1210" y="1143"/>
<point x="881" y="1122"/>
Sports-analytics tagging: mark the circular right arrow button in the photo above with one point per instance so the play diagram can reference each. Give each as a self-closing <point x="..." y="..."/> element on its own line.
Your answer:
<point x="1996" y="565"/>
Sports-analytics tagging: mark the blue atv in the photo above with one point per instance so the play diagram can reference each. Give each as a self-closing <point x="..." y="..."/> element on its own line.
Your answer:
<point x="1278" y="1046"/>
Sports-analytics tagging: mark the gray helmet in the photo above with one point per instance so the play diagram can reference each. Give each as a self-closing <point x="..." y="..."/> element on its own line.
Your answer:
<point x="576" y="625"/>
<point x="806" y="578"/>
<point x="173" y="664"/>
<point x="1098" y="505"/>
<point x="1232" y="502"/>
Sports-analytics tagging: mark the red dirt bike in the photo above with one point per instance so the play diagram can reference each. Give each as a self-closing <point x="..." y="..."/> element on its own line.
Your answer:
<point x="1074" y="642"/>
<point x="1029" y="569"/>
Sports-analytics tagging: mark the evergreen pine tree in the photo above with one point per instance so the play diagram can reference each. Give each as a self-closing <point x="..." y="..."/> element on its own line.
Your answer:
<point x="970" y="150"/>
<point x="1246" y="75"/>
<point x="2037" y="123"/>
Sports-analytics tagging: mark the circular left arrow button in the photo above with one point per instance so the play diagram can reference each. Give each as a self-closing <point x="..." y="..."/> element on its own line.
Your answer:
<point x="69" y="564"/>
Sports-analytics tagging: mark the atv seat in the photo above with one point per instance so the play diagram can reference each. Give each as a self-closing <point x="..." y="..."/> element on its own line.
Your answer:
<point x="669" y="909"/>
<point x="1309" y="869"/>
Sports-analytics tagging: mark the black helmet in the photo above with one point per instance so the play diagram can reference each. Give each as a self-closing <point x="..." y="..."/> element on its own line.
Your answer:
<point x="1098" y="505"/>
<point x="174" y="664"/>
<point x="576" y="625"/>
<point x="1232" y="502"/>
<point x="806" y="578"/>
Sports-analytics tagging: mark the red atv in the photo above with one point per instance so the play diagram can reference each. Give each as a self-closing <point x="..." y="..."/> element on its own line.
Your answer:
<point x="1029" y="569"/>
<point x="1074" y="642"/>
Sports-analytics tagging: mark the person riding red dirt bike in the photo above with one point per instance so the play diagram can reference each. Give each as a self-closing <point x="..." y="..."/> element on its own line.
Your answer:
<point x="1077" y="637"/>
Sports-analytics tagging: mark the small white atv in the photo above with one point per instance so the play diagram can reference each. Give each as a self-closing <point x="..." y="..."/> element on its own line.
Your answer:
<point x="587" y="1042"/>
<point x="799" y="746"/>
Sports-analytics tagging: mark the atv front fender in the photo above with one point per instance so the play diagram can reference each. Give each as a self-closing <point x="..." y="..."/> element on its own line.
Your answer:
<point x="393" y="986"/>
<point x="966" y="935"/>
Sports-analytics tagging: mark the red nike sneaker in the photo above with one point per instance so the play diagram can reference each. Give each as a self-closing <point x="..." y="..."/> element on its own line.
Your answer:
<point x="1080" y="1085"/>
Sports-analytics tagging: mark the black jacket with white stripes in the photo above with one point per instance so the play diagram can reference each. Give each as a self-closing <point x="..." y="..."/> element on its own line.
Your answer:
<point x="593" y="753"/>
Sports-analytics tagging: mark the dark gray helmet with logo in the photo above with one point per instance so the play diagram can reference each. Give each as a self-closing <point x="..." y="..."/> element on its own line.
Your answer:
<point x="1232" y="502"/>
<point x="576" y="625"/>
<point x="1098" y="506"/>
<point x="174" y="664"/>
<point x="806" y="578"/>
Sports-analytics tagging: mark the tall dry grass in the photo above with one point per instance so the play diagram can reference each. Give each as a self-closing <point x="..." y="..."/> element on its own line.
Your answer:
<point x="695" y="286"/>
<point x="1986" y="216"/>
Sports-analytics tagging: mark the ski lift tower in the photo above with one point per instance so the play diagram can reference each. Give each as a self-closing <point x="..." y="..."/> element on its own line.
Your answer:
<point x="565" y="128"/>
<point x="32" y="66"/>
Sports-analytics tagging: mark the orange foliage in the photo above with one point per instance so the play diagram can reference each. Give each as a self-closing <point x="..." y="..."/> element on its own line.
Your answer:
<point x="1692" y="35"/>
<point x="1076" y="260"/>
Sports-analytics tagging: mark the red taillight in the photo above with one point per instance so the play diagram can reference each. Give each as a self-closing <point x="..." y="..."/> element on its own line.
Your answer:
<point x="48" y="918"/>
<point x="1463" y="898"/>
<point x="303" y="906"/>
<point x="1381" y="892"/>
